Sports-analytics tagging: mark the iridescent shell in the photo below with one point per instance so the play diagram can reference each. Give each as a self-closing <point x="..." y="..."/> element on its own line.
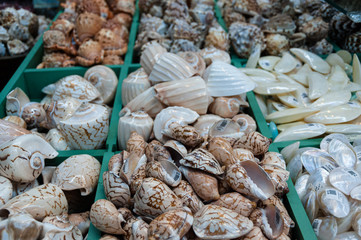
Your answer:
<point x="202" y="160"/>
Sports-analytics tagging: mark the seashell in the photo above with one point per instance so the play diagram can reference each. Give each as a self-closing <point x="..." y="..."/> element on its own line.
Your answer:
<point x="318" y="85"/>
<point x="273" y="88"/>
<point x="136" y="83"/>
<point x="176" y="149"/>
<point x="248" y="178"/>
<point x="217" y="37"/>
<point x="222" y="150"/>
<point x="315" y="158"/>
<point x="311" y="204"/>
<point x="275" y="159"/>
<point x="104" y="79"/>
<point x="290" y="115"/>
<point x="212" y="54"/>
<point x="170" y="67"/>
<point x="345" y="56"/>
<point x="73" y="86"/>
<point x="154" y="198"/>
<point x="225" y="128"/>
<point x="90" y="120"/>
<point x="131" y="167"/>
<point x="112" y="60"/>
<point x="136" y="228"/>
<point x="322" y="47"/>
<point x="183" y="45"/>
<point x="165" y="171"/>
<point x="16" y="120"/>
<point x="268" y="62"/>
<point x="146" y="101"/>
<point x="42" y="201"/>
<point x="287" y="220"/>
<point x="68" y="177"/>
<point x="226" y="80"/>
<point x="215" y="222"/>
<point x="226" y="107"/>
<point x="47" y="174"/>
<point x="24" y="156"/>
<point x="332" y="99"/>
<point x="205" y="122"/>
<point x="246" y="122"/>
<point x="236" y="202"/>
<point x="356" y="224"/>
<point x="355" y="193"/>
<point x="105" y="217"/>
<point x="334" y="202"/>
<point x="269" y="220"/>
<point x="279" y="177"/>
<point x="344" y="179"/>
<point x="190" y="93"/>
<point x="241" y="154"/>
<point x="155" y="151"/>
<point x="57" y="140"/>
<point x="326" y="140"/>
<point x="150" y="55"/>
<point x="19" y="31"/>
<point x="180" y="115"/>
<point x="136" y="144"/>
<point x="185" y="192"/>
<point x="302" y="75"/>
<point x="10" y="131"/>
<point x="300" y="132"/>
<point x="205" y="185"/>
<point x="81" y="221"/>
<point x="138" y="121"/>
<point x="203" y="160"/>
<point x="301" y="185"/>
<point x="186" y="135"/>
<point x="347" y="235"/>
<point x="23" y="224"/>
<point x="315" y="62"/>
<point x="6" y="190"/>
<point x="342" y="153"/>
<point x="290" y="151"/>
<point x="325" y="227"/>
<point x="255" y="233"/>
<point x="20" y="188"/>
<point x="15" y="101"/>
<point x="253" y="58"/>
<point x="334" y="59"/>
<point x="16" y="47"/>
<point x="338" y="78"/>
<point x="59" y="227"/>
<point x="34" y="115"/>
<point x="259" y="75"/>
<point x="116" y="189"/>
<point x="86" y="26"/>
<point x="195" y="60"/>
<point x="356" y="69"/>
<point x="276" y="44"/>
<point x="173" y="224"/>
<point x="253" y="141"/>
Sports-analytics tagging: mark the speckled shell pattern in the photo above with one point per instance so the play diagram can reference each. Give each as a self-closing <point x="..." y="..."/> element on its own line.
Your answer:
<point x="40" y="202"/>
<point x="69" y="176"/>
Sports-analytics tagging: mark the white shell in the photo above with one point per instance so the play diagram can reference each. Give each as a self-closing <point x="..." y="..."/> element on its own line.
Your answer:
<point x="338" y="79"/>
<point x="15" y="101"/>
<point x="254" y="57"/>
<point x="138" y="121"/>
<point x="104" y="79"/>
<point x="69" y="176"/>
<point x="190" y="93"/>
<point x="180" y="115"/>
<point x="150" y="56"/>
<point x="259" y="75"/>
<point x="23" y="158"/>
<point x="286" y="64"/>
<point x="343" y="153"/>
<point x="334" y="202"/>
<point x="57" y="140"/>
<point x="61" y="109"/>
<point x="273" y="88"/>
<point x="205" y="122"/>
<point x="212" y="54"/>
<point x="268" y="62"/>
<point x="290" y="115"/>
<point x="226" y="80"/>
<point x="325" y="227"/>
<point x="315" y="62"/>
<point x="301" y="132"/>
<point x="10" y="131"/>
<point x="344" y="179"/>
<point x="335" y="59"/>
<point x="87" y="128"/>
<point x="301" y="75"/>
<point x="332" y="99"/>
<point x="318" y="85"/>
<point x="136" y="83"/>
<point x="6" y="190"/>
<point x="356" y="70"/>
<point x="344" y="128"/>
<point x="16" y="47"/>
<point x="170" y="67"/>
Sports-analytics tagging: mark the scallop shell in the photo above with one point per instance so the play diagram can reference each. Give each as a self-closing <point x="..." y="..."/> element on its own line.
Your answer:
<point x="205" y="185"/>
<point x="40" y="202"/>
<point x="57" y="140"/>
<point x="173" y="224"/>
<point x="189" y="198"/>
<point x="87" y="128"/>
<point x="315" y="62"/>
<point x="6" y="190"/>
<point x="24" y="157"/>
<point x="203" y="160"/>
<point x="170" y="67"/>
<point x="138" y="121"/>
<point x="165" y="171"/>
<point x="69" y="177"/>
<point x="236" y="202"/>
<point x="195" y="60"/>
<point x="222" y="150"/>
<point x="212" y="54"/>
<point x="136" y="83"/>
<point x="190" y="93"/>
<point x="225" y="80"/>
<point x="116" y="190"/>
<point x="150" y="55"/>
<point x="250" y="179"/>
<point x="215" y="222"/>
<point x="15" y="101"/>
<point x="154" y="198"/>
<point x="205" y="122"/>
<point x="104" y="79"/>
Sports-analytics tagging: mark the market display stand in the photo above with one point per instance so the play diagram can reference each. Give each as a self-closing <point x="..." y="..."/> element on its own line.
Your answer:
<point x="32" y="80"/>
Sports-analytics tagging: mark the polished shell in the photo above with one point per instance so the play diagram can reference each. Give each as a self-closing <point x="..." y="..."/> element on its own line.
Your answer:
<point x="203" y="160"/>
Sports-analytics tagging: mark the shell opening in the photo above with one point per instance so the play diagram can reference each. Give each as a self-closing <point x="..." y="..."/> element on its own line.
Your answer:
<point x="37" y="161"/>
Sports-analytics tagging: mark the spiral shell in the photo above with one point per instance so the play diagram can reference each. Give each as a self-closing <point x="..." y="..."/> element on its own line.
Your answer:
<point x="195" y="60"/>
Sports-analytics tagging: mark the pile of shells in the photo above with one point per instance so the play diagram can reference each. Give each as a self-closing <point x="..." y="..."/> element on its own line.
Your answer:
<point x="56" y="209"/>
<point x="89" y="33"/>
<point x="19" y="30"/>
<point x="180" y="25"/>
<point x="276" y="26"/>
<point x="307" y="96"/>
<point x="328" y="181"/>
<point x="72" y="116"/>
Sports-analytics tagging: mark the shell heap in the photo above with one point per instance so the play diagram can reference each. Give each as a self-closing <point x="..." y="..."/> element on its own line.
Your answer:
<point x="328" y="182"/>
<point x="89" y="33"/>
<point x="190" y="168"/>
<point x="72" y="116"/>
<point x="281" y="25"/>
<point x="19" y="30"/>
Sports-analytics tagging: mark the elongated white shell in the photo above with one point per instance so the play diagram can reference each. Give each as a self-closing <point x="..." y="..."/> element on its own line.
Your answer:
<point x="87" y="128"/>
<point x="23" y="158"/>
<point x="273" y="88"/>
<point x="190" y="93"/>
<point x="338" y="78"/>
<point x="286" y="64"/>
<point x="315" y="62"/>
<point x="170" y="67"/>
<point x="290" y="115"/>
<point x="136" y="83"/>
<point x="268" y="62"/>
<point x="332" y="99"/>
<point x="69" y="176"/>
<point x="301" y="132"/>
<point x="224" y="79"/>
<point x="301" y="75"/>
<point x="318" y="85"/>
<point x="356" y="69"/>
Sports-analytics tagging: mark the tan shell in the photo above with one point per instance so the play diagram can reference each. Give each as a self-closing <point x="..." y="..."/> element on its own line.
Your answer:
<point x="116" y="189"/>
<point x="255" y="234"/>
<point x="246" y="122"/>
<point x="205" y="185"/>
<point x="189" y="198"/>
<point x="80" y="220"/>
<point x="222" y="150"/>
<point x="156" y="151"/>
<point x="269" y="220"/>
<point x="165" y="171"/>
<point x="253" y="141"/>
<point x="215" y="222"/>
<point x="236" y="202"/>
<point x="15" y="101"/>
<point x="16" y="120"/>
<point x="89" y="53"/>
<point x="241" y="154"/>
<point x="273" y="158"/>
<point x="10" y="131"/>
<point x="136" y="83"/>
<point x="217" y="37"/>
<point x="195" y="60"/>
<point x="176" y="150"/>
<point x="105" y="217"/>
<point x="202" y="160"/>
<point x="6" y="190"/>
<point x="173" y="224"/>
<point x="68" y="176"/>
<point x="59" y="227"/>
<point x="187" y="135"/>
<point x="40" y="202"/>
<point x="279" y="177"/>
<point x="150" y="55"/>
<point x="86" y="26"/>
<point x="190" y="93"/>
<point x="205" y="122"/>
<point x="226" y="107"/>
<point x="113" y="41"/>
<point x="154" y="198"/>
<point x="23" y="224"/>
<point x="136" y="229"/>
<point x="57" y="140"/>
<point x="136" y="144"/>
<point x="288" y="222"/>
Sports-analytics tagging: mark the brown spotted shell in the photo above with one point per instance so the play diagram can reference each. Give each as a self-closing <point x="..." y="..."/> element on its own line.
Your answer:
<point x="175" y="10"/>
<point x="123" y="19"/>
<point x="190" y="199"/>
<point x="154" y="198"/>
<point x="55" y="60"/>
<point x="113" y="60"/>
<point x="112" y="42"/>
<point x="253" y="141"/>
<point x="255" y="234"/>
<point x="236" y="202"/>
<point x="90" y="52"/>
<point x="125" y="6"/>
<point x="63" y="25"/>
<point x="241" y="154"/>
<point x="322" y="47"/>
<point x="276" y="44"/>
<point x="203" y="160"/>
<point x="86" y="26"/>
<point x="315" y="29"/>
<point x="55" y="40"/>
<point x="353" y="42"/>
<point x="230" y="16"/>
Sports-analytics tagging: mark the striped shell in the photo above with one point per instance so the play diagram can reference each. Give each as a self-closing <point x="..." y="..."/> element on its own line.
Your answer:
<point x="190" y="199"/>
<point x="202" y="160"/>
<point x="136" y="83"/>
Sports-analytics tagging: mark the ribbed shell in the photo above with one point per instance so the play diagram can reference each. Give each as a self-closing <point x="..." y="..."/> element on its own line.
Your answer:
<point x="150" y="56"/>
<point x="136" y="83"/>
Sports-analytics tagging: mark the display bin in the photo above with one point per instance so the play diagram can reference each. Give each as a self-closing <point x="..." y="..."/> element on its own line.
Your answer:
<point x="31" y="81"/>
